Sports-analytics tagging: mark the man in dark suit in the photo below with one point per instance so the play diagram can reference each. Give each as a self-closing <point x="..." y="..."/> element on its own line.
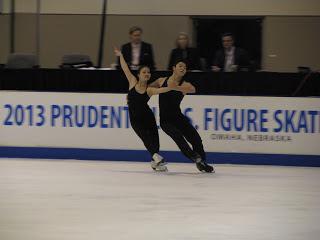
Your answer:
<point x="137" y="53"/>
<point x="230" y="58"/>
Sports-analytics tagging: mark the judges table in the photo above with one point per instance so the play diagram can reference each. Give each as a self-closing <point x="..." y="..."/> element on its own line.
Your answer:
<point x="207" y="83"/>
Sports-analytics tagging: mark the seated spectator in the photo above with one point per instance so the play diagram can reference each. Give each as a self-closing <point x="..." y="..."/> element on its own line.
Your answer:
<point x="183" y="52"/>
<point x="137" y="53"/>
<point x="230" y="58"/>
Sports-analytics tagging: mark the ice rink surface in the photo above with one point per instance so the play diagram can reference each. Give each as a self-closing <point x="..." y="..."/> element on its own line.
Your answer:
<point x="92" y="200"/>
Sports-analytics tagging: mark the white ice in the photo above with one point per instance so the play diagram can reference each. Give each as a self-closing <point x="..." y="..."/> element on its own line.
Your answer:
<point x="90" y="200"/>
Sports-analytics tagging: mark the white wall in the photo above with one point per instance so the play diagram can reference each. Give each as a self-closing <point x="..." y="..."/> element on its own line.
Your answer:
<point x="289" y="42"/>
<point x="175" y="7"/>
<point x="4" y="39"/>
<point x="216" y="7"/>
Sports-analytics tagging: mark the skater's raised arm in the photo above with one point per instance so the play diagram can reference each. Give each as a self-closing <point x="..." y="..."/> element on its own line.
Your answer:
<point x="130" y="77"/>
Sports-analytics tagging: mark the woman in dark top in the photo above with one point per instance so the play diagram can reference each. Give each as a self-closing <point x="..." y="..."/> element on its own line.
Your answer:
<point x="141" y="116"/>
<point x="174" y="123"/>
<point x="183" y="52"/>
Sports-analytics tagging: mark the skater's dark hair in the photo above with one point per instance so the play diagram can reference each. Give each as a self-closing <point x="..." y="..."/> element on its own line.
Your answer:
<point x="179" y="61"/>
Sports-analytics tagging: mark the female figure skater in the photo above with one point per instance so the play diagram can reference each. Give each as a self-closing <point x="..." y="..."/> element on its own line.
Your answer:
<point x="174" y="123"/>
<point x="141" y="116"/>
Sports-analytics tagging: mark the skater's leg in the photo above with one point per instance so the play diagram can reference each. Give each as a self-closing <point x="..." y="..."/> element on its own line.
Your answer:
<point x="177" y="136"/>
<point x="192" y="136"/>
<point x="149" y="135"/>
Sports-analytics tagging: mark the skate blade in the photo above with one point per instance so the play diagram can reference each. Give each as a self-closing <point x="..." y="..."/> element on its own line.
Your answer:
<point x="160" y="169"/>
<point x="155" y="164"/>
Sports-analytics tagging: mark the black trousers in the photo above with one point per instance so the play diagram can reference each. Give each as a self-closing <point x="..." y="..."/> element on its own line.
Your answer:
<point x="182" y="132"/>
<point x="148" y="133"/>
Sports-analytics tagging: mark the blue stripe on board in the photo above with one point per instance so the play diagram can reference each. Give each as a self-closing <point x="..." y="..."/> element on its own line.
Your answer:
<point x="143" y="156"/>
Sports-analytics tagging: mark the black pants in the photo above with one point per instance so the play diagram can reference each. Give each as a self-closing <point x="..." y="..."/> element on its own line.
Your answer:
<point x="182" y="132"/>
<point x="148" y="133"/>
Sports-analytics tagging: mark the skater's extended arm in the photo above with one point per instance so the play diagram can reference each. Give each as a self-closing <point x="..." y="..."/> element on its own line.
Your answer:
<point x="157" y="83"/>
<point x="185" y="88"/>
<point x="155" y="91"/>
<point x="130" y="77"/>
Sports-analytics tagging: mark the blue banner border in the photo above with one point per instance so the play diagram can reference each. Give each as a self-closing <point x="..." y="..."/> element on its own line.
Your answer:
<point x="143" y="156"/>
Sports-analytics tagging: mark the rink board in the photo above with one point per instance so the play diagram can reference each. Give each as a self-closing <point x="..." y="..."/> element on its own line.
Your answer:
<point x="248" y="130"/>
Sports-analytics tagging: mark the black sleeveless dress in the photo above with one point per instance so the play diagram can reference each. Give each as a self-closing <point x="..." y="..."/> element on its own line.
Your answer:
<point x="169" y="104"/>
<point x="143" y="121"/>
<point x="139" y="111"/>
<point x="178" y="126"/>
